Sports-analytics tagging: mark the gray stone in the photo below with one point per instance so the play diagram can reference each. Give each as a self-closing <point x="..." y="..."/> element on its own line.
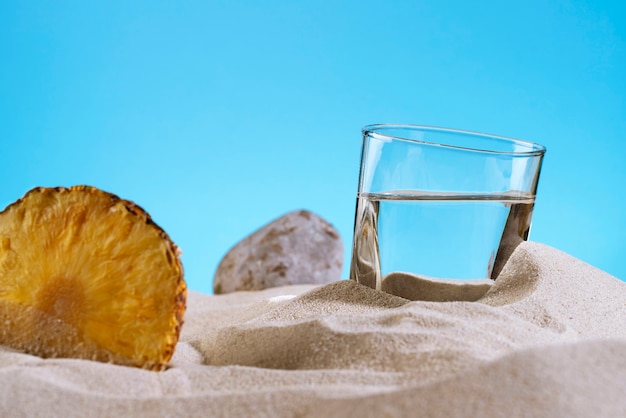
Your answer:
<point x="297" y="248"/>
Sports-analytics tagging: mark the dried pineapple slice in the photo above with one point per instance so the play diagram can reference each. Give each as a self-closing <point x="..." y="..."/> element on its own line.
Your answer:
<point x="85" y="274"/>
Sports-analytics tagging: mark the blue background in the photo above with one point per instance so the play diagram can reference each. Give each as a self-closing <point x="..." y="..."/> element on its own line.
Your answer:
<point x="219" y="116"/>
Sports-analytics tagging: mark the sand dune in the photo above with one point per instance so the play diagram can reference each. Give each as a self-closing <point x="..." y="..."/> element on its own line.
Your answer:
<point x="548" y="339"/>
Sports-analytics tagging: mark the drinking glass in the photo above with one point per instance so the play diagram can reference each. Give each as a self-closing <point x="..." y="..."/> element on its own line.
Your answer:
<point x="439" y="211"/>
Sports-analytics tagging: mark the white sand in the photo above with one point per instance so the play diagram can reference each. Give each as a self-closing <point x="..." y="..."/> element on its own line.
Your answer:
<point x="548" y="339"/>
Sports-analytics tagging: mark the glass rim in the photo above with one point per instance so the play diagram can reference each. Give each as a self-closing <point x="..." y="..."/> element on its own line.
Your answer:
<point x="373" y="130"/>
